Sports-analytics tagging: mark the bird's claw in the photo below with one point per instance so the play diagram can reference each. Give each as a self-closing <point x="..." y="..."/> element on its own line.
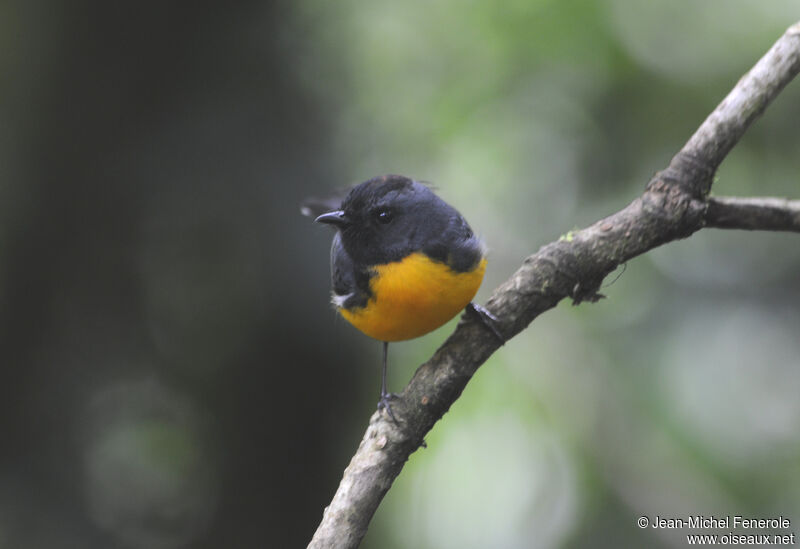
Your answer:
<point x="383" y="403"/>
<point x="487" y="319"/>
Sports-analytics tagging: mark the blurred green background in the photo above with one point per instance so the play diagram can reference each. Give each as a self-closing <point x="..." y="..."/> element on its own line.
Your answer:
<point x="171" y="373"/>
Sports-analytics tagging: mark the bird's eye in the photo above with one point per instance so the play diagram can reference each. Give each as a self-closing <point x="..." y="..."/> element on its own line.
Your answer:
<point x="384" y="216"/>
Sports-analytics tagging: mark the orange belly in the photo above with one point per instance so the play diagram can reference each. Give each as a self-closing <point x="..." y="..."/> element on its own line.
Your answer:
<point x="413" y="297"/>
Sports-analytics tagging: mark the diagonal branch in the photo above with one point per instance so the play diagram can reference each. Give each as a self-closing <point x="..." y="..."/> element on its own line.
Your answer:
<point x="753" y="214"/>
<point x="723" y="128"/>
<point x="673" y="206"/>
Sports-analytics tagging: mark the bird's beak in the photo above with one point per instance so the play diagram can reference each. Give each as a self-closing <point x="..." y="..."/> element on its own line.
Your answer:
<point x="337" y="218"/>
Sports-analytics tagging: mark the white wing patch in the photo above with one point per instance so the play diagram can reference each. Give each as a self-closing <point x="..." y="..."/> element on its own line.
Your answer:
<point x="338" y="300"/>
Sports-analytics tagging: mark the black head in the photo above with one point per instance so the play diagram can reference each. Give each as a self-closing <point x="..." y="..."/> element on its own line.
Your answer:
<point x="386" y="218"/>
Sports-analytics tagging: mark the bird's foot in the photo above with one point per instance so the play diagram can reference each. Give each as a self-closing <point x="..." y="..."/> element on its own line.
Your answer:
<point x="383" y="404"/>
<point x="487" y="319"/>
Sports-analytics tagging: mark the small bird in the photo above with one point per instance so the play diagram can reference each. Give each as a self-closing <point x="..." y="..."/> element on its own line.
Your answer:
<point x="403" y="262"/>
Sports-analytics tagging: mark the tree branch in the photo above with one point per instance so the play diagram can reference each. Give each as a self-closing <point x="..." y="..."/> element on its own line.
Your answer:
<point x="753" y="214"/>
<point x="673" y="206"/>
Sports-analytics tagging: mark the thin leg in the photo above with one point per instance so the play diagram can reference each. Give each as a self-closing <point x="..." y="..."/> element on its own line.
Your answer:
<point x="487" y="319"/>
<point x="385" y="394"/>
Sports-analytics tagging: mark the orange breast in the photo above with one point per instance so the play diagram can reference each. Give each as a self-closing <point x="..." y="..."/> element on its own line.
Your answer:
<point x="413" y="297"/>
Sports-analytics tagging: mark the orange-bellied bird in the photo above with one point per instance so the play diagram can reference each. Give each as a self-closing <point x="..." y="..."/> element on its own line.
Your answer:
<point x="403" y="262"/>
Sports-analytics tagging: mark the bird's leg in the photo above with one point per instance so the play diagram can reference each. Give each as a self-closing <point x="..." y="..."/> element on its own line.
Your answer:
<point x="386" y="396"/>
<point x="487" y="319"/>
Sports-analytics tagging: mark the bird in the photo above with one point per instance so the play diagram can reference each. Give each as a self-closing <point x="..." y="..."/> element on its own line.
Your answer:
<point x="403" y="262"/>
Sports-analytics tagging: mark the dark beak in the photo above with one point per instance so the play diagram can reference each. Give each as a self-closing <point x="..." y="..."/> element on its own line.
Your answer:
<point x="337" y="218"/>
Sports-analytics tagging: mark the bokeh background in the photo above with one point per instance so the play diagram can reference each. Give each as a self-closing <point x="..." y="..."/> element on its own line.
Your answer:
<point x="171" y="373"/>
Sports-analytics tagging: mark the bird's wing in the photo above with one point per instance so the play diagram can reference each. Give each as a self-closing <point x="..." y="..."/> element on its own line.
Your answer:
<point x="350" y="284"/>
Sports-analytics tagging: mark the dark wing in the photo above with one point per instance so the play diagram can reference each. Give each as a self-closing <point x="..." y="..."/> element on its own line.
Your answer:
<point x="457" y="246"/>
<point x="350" y="285"/>
<point x="466" y="255"/>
